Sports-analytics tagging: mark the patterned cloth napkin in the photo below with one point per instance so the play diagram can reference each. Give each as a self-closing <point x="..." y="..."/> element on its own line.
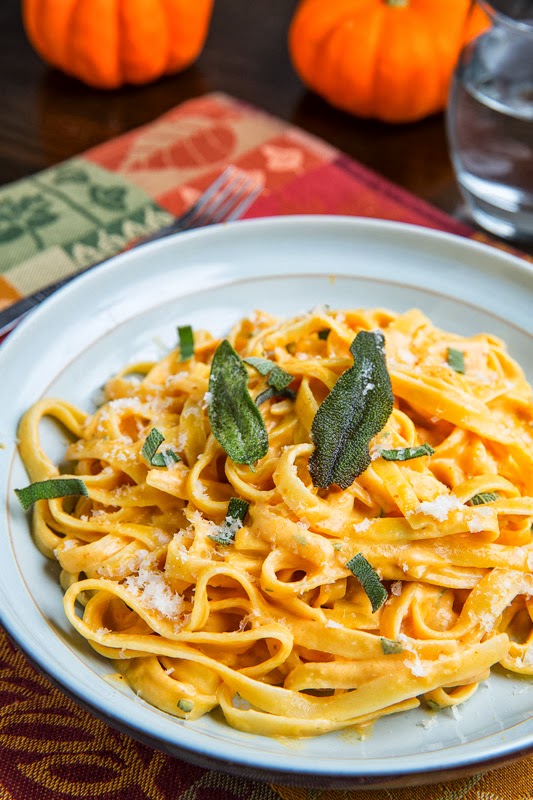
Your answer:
<point x="63" y="219"/>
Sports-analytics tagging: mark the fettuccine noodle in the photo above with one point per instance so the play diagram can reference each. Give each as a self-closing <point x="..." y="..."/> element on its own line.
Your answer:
<point x="273" y="627"/>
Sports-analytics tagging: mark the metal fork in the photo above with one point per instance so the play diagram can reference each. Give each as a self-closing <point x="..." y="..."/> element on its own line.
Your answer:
<point x="225" y="200"/>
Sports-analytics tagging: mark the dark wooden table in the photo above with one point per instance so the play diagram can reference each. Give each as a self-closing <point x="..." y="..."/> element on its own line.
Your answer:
<point x="46" y="117"/>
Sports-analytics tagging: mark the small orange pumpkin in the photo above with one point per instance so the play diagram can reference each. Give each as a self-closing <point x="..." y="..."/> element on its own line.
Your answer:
<point x="387" y="59"/>
<point x="109" y="43"/>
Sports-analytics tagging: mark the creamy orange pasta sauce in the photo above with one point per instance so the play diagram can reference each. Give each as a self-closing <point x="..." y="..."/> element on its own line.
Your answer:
<point x="272" y="625"/>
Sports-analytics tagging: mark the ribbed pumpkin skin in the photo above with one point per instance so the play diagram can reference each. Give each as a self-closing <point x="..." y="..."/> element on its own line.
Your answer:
<point x="109" y="43"/>
<point x="380" y="59"/>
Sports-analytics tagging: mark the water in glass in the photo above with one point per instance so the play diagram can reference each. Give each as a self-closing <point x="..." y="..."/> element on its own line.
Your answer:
<point x="490" y="122"/>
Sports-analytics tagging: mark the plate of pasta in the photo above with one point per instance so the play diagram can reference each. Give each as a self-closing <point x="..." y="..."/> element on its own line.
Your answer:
<point x="268" y="494"/>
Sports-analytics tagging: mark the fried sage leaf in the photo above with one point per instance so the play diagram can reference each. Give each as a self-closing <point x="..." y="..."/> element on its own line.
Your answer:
<point x="276" y="377"/>
<point x="456" y="360"/>
<point x="153" y="455"/>
<point x="186" y="340"/>
<point x="369" y="580"/>
<point x="391" y="646"/>
<point x="237" y="511"/>
<point x="49" y="490"/>
<point x="270" y="393"/>
<point x="355" y="410"/>
<point x="165" y="458"/>
<point x="406" y="453"/>
<point x="235" y="420"/>
<point x="482" y="498"/>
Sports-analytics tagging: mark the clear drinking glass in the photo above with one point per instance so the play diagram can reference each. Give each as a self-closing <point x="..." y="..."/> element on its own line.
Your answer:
<point x="490" y="121"/>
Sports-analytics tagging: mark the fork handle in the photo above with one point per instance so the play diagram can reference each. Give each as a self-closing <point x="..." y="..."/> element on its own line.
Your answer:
<point x="11" y="315"/>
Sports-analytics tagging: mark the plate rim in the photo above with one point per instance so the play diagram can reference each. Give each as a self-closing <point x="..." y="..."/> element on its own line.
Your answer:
<point x="349" y="778"/>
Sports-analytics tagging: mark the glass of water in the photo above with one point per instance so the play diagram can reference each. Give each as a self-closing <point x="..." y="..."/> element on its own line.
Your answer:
<point x="490" y="121"/>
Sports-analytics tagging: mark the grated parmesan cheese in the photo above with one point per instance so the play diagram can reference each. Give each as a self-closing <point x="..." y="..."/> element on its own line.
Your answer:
<point x="123" y="404"/>
<point x="407" y="356"/>
<point x="456" y="713"/>
<point x="154" y="593"/>
<point x="486" y="620"/>
<point x="418" y="667"/>
<point x="240" y="703"/>
<point x="69" y="544"/>
<point x="478" y="521"/>
<point x="429" y="722"/>
<point x="190" y="411"/>
<point x="441" y="506"/>
<point x="375" y="452"/>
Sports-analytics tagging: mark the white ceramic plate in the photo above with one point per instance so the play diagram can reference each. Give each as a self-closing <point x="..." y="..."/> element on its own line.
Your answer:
<point x="128" y="309"/>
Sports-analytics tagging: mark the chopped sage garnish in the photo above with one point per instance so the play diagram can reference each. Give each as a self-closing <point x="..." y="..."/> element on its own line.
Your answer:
<point x="271" y="392"/>
<point x="456" y="360"/>
<point x="185" y="705"/>
<point x="166" y="457"/>
<point x="324" y="333"/>
<point x="482" y="498"/>
<point x="151" y="444"/>
<point x="186" y="339"/>
<point x="406" y="453"/>
<point x="235" y="420"/>
<point x="154" y="456"/>
<point x="369" y="580"/>
<point x="276" y="377"/>
<point x="355" y="410"/>
<point x="50" y="489"/>
<point x="391" y="646"/>
<point x="237" y="510"/>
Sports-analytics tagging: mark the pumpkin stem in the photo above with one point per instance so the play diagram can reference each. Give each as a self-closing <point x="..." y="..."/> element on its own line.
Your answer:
<point x="397" y="3"/>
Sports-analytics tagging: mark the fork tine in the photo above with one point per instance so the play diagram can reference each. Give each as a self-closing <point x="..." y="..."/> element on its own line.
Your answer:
<point x="219" y="207"/>
<point x="196" y="216"/>
<point x="206" y="197"/>
<point x="245" y="203"/>
<point x="231" y="201"/>
<point x="209" y="210"/>
<point x="224" y="208"/>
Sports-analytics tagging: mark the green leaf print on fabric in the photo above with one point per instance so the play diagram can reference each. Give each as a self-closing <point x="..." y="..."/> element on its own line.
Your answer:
<point x="112" y="198"/>
<point x="71" y="175"/>
<point x="76" y="214"/>
<point x="24" y="216"/>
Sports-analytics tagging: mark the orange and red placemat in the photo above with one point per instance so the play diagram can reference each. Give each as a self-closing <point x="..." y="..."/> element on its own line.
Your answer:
<point x="63" y="219"/>
<point x="60" y="220"/>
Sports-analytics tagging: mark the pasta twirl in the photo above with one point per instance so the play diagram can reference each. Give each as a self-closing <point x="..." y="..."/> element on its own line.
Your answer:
<point x="259" y="613"/>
